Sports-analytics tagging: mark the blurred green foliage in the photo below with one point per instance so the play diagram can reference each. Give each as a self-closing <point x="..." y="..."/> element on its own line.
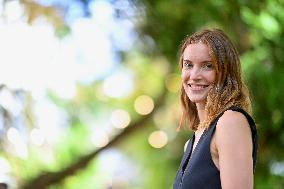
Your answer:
<point x="256" y="29"/>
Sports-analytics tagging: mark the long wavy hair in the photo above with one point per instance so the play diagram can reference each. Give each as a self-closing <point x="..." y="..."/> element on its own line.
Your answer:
<point x="229" y="88"/>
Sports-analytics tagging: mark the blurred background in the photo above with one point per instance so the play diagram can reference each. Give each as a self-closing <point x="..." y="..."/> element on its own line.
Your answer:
<point x="89" y="89"/>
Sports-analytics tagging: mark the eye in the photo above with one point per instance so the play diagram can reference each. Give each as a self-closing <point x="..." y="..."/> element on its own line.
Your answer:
<point x="187" y="65"/>
<point x="208" y="66"/>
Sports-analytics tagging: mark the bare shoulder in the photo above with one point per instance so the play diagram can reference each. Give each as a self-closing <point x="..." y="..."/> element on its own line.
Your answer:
<point x="233" y="126"/>
<point x="233" y="120"/>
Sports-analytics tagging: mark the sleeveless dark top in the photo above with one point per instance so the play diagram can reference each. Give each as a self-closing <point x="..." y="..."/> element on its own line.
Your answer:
<point x="200" y="171"/>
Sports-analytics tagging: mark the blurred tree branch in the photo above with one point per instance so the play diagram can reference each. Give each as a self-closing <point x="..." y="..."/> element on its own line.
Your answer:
<point x="49" y="178"/>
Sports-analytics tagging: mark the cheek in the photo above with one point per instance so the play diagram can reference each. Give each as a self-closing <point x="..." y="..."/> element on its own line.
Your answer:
<point x="184" y="75"/>
<point x="211" y="77"/>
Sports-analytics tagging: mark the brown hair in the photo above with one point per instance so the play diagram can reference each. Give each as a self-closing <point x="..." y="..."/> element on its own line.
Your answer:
<point x="229" y="88"/>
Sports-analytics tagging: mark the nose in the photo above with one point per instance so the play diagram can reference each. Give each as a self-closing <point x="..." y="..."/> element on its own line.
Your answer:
<point x="194" y="73"/>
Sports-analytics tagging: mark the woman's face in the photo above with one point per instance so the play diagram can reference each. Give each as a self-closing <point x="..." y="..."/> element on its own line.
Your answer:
<point x="198" y="72"/>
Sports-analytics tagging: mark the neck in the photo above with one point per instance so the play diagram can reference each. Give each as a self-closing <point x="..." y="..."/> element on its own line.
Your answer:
<point x="201" y="111"/>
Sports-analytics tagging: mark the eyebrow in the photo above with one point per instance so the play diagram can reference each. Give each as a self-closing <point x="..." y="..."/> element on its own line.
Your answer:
<point x="205" y="61"/>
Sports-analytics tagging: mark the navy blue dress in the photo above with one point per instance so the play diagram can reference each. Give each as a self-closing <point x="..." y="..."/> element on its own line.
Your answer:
<point x="200" y="171"/>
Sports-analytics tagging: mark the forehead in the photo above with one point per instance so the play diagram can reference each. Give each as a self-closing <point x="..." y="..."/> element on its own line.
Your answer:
<point x="197" y="52"/>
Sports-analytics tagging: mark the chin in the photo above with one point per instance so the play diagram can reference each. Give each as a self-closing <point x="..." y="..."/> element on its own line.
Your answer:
<point x="197" y="100"/>
<point x="196" y="97"/>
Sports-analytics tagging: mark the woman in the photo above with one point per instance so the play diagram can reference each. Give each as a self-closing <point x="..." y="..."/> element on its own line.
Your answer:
<point x="222" y="152"/>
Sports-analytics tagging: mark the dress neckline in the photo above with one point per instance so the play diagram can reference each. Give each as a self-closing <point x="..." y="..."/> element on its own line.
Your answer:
<point x="198" y="142"/>
<point x="191" y="151"/>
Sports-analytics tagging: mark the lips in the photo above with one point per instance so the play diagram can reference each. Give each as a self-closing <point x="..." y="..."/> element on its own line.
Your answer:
<point x="197" y="87"/>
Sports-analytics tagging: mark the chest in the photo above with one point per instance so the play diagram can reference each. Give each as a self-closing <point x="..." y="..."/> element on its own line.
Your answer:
<point x="196" y="139"/>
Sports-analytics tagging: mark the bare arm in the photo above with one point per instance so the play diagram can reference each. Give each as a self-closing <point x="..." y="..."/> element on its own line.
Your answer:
<point x="234" y="145"/>
<point x="185" y="145"/>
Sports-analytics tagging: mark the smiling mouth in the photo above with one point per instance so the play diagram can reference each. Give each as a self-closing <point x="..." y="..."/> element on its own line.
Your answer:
<point x="197" y="87"/>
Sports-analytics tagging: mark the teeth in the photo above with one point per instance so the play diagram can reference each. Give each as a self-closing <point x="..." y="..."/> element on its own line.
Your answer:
<point x="197" y="87"/>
